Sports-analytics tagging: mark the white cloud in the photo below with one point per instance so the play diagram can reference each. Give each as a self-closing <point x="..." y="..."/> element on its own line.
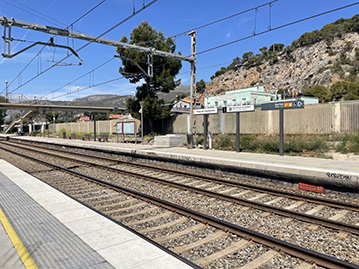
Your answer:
<point x="228" y="35"/>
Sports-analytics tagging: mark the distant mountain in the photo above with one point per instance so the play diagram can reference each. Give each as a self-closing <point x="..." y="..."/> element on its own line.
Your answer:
<point x="112" y="100"/>
<point x="99" y="100"/>
<point x="180" y="90"/>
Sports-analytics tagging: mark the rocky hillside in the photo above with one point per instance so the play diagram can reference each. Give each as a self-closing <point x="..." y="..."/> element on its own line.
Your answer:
<point x="296" y="67"/>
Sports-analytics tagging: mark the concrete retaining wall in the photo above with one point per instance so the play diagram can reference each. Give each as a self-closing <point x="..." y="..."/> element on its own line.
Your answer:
<point x="107" y="126"/>
<point x="314" y="119"/>
<point x="338" y="117"/>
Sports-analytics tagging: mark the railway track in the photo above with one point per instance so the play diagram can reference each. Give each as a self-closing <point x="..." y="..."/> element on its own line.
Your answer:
<point x="165" y="227"/>
<point x="226" y="190"/>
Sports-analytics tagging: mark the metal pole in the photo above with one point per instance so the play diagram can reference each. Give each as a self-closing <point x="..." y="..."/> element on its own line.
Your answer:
<point x="6" y="89"/>
<point x="135" y="132"/>
<point x="205" y="131"/>
<point x="63" y="32"/>
<point x="281" y="132"/>
<point x="141" y="104"/>
<point x="238" y="149"/>
<point x="94" y="126"/>
<point x="193" y="82"/>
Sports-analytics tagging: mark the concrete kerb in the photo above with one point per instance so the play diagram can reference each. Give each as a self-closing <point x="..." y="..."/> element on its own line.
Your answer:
<point x="329" y="177"/>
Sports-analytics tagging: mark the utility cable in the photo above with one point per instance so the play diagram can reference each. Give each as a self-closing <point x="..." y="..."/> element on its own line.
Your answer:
<point x="92" y="9"/>
<point x="277" y="28"/>
<point x="223" y="19"/>
<point x="83" y="75"/>
<point x="40" y="16"/>
<point x="107" y="31"/>
<point x="89" y="87"/>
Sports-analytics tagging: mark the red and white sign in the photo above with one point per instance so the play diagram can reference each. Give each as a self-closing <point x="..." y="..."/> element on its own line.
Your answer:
<point x="310" y="187"/>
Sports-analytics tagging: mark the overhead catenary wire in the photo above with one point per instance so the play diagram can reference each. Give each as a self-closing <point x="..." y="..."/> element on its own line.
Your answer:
<point x="88" y="43"/>
<point x="83" y="75"/>
<point x="225" y="18"/>
<point x="277" y="28"/>
<point x="89" y="87"/>
<point x="269" y="30"/>
<point x="33" y="12"/>
<point x="82" y="16"/>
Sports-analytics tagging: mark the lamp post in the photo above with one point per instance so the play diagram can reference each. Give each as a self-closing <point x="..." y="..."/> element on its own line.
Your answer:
<point x="78" y="95"/>
<point x="141" y="104"/>
<point x="6" y="89"/>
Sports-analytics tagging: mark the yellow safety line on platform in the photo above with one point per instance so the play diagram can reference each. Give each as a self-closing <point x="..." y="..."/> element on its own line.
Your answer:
<point x="19" y="246"/>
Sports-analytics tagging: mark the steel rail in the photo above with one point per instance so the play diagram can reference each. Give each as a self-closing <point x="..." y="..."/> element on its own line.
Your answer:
<point x="294" y="250"/>
<point x="260" y="206"/>
<point x="103" y="183"/>
<point x="295" y="196"/>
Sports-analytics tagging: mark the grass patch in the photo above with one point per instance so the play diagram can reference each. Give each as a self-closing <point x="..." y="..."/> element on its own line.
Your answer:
<point x="293" y="145"/>
<point x="348" y="143"/>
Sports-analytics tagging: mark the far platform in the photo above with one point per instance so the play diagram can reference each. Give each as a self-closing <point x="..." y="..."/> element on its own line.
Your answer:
<point x="326" y="172"/>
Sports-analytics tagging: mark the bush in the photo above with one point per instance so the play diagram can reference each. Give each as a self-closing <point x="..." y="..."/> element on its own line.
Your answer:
<point x="224" y="142"/>
<point x="59" y="132"/>
<point x="353" y="143"/>
<point x="246" y="142"/>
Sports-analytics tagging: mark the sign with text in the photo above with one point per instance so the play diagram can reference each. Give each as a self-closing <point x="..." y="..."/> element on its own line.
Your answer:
<point x="283" y="105"/>
<point x="243" y="108"/>
<point x="126" y="127"/>
<point x="205" y="111"/>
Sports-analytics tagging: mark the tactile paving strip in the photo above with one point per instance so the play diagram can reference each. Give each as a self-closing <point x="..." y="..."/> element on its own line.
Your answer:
<point x="49" y="242"/>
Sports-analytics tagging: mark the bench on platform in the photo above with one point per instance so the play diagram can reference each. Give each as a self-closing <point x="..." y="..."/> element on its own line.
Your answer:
<point x="72" y="136"/>
<point x="86" y="137"/>
<point x="103" y="137"/>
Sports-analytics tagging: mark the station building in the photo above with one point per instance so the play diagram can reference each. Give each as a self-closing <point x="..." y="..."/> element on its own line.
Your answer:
<point x="248" y="96"/>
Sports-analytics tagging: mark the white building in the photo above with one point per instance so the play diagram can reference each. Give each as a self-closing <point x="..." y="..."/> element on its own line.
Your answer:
<point x="184" y="104"/>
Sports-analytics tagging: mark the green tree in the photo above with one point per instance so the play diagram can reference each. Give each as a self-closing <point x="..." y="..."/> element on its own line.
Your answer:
<point x="345" y="90"/>
<point x="276" y="47"/>
<point x="200" y="86"/>
<point x="321" y="92"/>
<point x="264" y="50"/>
<point x="3" y="112"/>
<point x="164" y="72"/>
<point x="246" y="56"/>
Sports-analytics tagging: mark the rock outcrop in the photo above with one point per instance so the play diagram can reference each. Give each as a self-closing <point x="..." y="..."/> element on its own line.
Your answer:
<point x="323" y="63"/>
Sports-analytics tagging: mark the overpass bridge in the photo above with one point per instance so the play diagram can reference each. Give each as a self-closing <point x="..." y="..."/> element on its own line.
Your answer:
<point x="32" y="110"/>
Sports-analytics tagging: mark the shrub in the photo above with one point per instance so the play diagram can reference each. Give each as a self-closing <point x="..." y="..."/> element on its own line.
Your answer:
<point x="353" y="143"/>
<point x="224" y="142"/>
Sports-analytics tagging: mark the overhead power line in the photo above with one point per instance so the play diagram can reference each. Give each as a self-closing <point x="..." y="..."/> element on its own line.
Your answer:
<point x="82" y="16"/>
<point x="277" y="28"/>
<point x="225" y="18"/>
<point x="33" y="12"/>
<point x="89" y="87"/>
<point x="88" y="12"/>
<point x="107" y="31"/>
<point x="87" y="73"/>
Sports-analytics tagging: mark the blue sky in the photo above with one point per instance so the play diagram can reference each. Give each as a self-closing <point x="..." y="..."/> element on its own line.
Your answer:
<point x="171" y="17"/>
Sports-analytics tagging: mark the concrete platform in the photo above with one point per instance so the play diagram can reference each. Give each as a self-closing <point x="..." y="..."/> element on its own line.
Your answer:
<point x="59" y="232"/>
<point x="312" y="170"/>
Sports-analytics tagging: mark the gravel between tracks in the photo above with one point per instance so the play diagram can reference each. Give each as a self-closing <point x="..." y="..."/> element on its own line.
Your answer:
<point x="322" y="239"/>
